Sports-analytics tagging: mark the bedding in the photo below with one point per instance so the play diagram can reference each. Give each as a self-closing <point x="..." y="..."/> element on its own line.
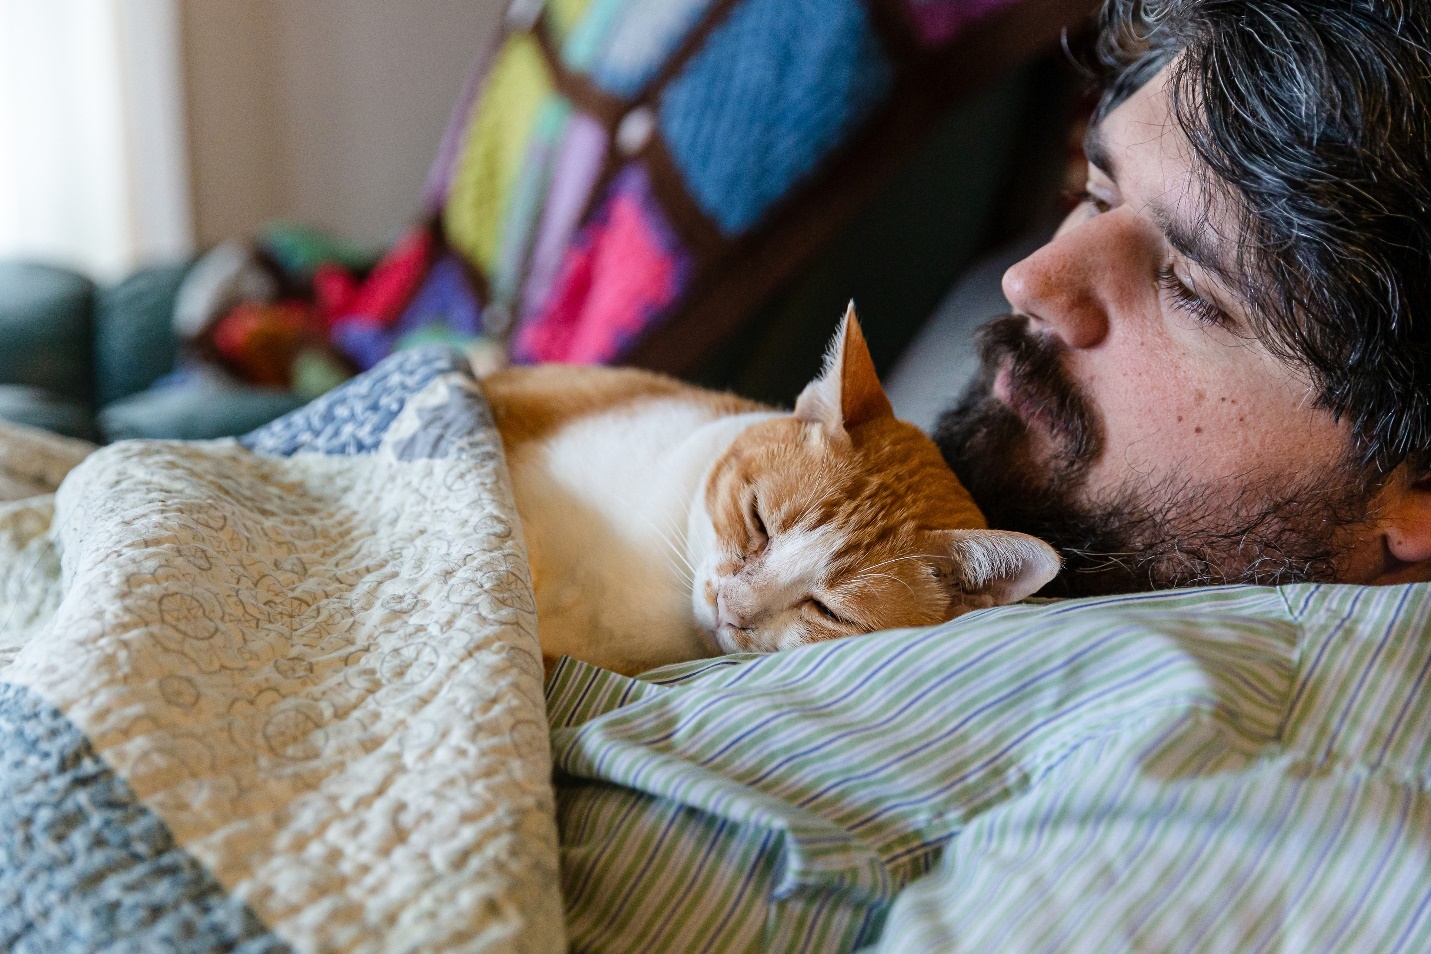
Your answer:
<point x="285" y="693"/>
<point x="279" y="694"/>
<point x="33" y="462"/>
<point x="1235" y="769"/>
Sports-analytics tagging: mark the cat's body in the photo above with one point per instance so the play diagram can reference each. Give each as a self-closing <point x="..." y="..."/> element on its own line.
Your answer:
<point x="606" y="467"/>
<point x="665" y="522"/>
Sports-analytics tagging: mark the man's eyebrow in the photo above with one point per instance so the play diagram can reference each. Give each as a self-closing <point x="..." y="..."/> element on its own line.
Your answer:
<point x="1197" y="245"/>
<point x="1095" y="150"/>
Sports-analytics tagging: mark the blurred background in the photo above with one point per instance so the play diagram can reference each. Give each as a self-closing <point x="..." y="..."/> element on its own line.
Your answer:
<point x="141" y="130"/>
<point x="212" y="212"/>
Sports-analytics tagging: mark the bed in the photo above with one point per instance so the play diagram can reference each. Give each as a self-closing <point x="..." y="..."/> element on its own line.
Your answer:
<point x="285" y="693"/>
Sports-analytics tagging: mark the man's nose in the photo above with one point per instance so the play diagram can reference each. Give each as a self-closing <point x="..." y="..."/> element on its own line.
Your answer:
<point x="1059" y="286"/>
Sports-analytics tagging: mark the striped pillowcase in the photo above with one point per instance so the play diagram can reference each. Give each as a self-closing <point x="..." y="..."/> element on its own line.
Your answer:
<point x="1228" y="769"/>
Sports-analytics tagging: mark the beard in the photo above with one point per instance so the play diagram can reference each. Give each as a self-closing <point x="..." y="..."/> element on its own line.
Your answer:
<point x="1026" y="463"/>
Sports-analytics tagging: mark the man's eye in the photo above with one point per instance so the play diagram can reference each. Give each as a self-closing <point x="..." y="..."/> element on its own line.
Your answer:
<point x="1085" y="197"/>
<point x="1190" y="301"/>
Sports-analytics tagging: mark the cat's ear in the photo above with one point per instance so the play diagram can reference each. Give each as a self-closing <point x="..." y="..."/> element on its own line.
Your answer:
<point x="994" y="567"/>
<point x="847" y="393"/>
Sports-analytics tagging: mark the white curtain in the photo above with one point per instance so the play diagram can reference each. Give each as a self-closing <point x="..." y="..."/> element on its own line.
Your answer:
<point x="93" y="164"/>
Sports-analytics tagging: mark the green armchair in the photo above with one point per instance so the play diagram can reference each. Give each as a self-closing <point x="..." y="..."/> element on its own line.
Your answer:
<point x="99" y="362"/>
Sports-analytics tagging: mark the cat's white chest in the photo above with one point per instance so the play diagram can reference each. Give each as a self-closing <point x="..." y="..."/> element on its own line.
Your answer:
<point x="604" y="505"/>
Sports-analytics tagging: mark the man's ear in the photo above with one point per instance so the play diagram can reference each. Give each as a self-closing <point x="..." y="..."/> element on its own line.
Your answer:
<point x="994" y="567"/>
<point x="1405" y="515"/>
<point x="847" y="393"/>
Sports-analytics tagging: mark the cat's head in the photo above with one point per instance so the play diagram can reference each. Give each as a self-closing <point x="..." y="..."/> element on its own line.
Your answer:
<point x="838" y="519"/>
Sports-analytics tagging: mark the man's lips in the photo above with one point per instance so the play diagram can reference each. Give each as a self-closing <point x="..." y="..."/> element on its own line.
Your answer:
<point x="1028" y="378"/>
<point x="1025" y="408"/>
<point x="1005" y="390"/>
<point x="1003" y="385"/>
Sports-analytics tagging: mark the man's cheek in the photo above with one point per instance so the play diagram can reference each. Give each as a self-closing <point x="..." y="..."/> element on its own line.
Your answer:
<point x="1155" y="422"/>
<point x="1203" y="430"/>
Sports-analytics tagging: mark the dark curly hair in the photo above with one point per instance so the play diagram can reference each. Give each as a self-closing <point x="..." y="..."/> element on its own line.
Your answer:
<point x="1313" y="118"/>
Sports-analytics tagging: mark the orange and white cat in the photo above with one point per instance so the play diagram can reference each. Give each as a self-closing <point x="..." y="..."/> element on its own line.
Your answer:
<point x="666" y="523"/>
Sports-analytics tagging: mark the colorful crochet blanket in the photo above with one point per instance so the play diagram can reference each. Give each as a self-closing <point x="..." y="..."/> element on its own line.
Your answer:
<point x="609" y="158"/>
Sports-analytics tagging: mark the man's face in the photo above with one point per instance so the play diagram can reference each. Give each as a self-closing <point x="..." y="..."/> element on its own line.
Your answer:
<point x="1128" y="413"/>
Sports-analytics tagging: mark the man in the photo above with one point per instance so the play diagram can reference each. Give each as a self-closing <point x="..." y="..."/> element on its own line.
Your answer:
<point x="1219" y="369"/>
<point x="1217" y="372"/>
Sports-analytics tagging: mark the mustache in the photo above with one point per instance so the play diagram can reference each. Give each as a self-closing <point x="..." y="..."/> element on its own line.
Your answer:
<point x="1039" y="385"/>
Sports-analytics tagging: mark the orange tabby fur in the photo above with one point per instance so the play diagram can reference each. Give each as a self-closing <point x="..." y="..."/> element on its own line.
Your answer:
<point x="666" y="522"/>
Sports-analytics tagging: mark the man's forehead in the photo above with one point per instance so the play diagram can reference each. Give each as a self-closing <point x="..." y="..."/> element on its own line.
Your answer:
<point x="1140" y="145"/>
<point x="1142" y="149"/>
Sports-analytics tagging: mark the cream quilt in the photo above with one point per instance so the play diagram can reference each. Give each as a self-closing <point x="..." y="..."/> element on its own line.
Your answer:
<point x="282" y="693"/>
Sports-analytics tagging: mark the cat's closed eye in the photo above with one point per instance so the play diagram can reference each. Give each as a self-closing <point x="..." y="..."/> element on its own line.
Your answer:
<point x="760" y="536"/>
<point x="825" y="611"/>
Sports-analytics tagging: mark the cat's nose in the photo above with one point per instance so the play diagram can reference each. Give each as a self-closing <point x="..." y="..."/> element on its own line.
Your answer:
<point x="724" y="616"/>
<point x="731" y="611"/>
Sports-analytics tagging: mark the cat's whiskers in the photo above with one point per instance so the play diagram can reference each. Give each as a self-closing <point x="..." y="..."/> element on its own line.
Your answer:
<point x="891" y="576"/>
<point x="681" y="564"/>
<point x="676" y="537"/>
<point x="680" y="571"/>
<point x="914" y="556"/>
<point x="665" y="533"/>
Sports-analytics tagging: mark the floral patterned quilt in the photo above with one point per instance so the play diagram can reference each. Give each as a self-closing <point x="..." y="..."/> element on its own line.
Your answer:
<point x="282" y="693"/>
